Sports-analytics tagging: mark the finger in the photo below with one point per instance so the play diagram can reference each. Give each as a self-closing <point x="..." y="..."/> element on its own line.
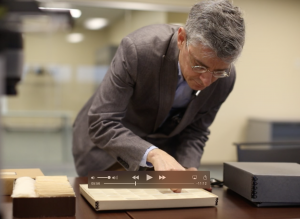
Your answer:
<point x="176" y="190"/>
<point x="176" y="169"/>
<point x="192" y="169"/>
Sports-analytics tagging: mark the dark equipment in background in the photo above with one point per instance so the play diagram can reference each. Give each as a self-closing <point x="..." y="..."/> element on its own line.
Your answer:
<point x="12" y="59"/>
<point x="12" y="16"/>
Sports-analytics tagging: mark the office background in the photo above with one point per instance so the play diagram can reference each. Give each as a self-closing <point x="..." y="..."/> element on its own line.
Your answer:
<point x="60" y="76"/>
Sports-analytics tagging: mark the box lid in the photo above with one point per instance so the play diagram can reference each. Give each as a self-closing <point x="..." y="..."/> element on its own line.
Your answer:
<point x="16" y="173"/>
<point x="266" y="168"/>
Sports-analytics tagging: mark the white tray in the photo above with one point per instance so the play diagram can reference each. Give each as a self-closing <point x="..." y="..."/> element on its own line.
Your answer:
<point x="124" y="199"/>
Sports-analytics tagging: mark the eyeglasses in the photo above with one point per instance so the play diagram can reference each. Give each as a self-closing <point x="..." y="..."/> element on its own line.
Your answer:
<point x="201" y="69"/>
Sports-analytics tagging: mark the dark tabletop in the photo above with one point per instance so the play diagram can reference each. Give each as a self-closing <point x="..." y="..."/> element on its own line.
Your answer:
<point x="230" y="206"/>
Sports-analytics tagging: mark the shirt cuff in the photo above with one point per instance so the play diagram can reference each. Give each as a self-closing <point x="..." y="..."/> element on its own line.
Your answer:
<point x="144" y="162"/>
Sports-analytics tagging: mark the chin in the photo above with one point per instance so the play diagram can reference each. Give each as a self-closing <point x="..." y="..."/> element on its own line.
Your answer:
<point x="198" y="86"/>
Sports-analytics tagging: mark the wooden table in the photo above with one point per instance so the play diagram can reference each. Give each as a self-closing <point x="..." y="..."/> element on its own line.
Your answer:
<point x="230" y="205"/>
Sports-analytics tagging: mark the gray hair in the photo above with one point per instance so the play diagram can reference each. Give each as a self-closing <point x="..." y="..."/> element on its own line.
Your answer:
<point x="218" y="25"/>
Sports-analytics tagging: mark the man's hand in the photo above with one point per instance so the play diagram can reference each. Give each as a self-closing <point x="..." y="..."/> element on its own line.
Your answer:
<point x="188" y="169"/>
<point x="162" y="161"/>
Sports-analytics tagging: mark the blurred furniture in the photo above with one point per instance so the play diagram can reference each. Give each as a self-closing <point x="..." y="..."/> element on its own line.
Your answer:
<point x="63" y="120"/>
<point x="40" y="121"/>
<point x="268" y="151"/>
<point x="270" y="130"/>
<point x="270" y="140"/>
<point x="230" y="205"/>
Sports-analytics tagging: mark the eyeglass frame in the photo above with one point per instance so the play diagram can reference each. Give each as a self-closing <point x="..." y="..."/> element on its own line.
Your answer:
<point x="205" y="70"/>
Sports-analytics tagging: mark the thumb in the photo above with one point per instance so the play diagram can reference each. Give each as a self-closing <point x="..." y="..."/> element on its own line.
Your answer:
<point x="192" y="169"/>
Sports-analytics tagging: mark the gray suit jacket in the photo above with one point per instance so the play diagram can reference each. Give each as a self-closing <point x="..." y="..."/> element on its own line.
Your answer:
<point x="122" y="119"/>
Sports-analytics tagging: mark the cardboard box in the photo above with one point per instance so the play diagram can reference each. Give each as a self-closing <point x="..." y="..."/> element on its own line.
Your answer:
<point x="8" y="177"/>
<point x="55" y="205"/>
<point x="44" y="207"/>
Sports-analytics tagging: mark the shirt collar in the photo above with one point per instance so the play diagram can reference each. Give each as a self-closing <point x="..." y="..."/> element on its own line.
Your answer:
<point x="180" y="77"/>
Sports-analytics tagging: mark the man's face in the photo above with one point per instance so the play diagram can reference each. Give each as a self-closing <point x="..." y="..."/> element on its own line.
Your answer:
<point x="199" y="55"/>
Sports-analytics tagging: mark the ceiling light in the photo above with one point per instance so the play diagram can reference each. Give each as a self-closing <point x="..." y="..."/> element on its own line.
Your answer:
<point x="76" y="13"/>
<point x="74" y="37"/>
<point x="95" y="23"/>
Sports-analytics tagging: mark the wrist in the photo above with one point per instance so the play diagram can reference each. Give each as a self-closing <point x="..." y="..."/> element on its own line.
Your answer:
<point x="151" y="155"/>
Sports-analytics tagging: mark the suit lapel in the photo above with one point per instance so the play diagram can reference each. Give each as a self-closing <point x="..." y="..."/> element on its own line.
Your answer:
<point x="168" y="81"/>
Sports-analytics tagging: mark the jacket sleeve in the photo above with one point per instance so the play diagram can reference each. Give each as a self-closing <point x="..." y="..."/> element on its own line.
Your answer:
<point x="191" y="141"/>
<point x="109" y="108"/>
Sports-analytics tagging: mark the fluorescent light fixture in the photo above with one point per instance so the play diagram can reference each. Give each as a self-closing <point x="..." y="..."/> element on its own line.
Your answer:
<point x="76" y="13"/>
<point x="95" y="23"/>
<point x="75" y="37"/>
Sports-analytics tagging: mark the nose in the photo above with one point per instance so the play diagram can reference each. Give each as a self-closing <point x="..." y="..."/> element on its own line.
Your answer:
<point x="206" y="78"/>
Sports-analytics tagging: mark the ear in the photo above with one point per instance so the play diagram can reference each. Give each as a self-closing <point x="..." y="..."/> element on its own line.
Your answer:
<point x="181" y="38"/>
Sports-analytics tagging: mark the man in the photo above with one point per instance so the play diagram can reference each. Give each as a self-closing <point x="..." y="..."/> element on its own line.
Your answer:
<point x="161" y="93"/>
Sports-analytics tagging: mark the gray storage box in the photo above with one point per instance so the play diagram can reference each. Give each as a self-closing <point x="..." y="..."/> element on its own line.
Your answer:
<point x="265" y="184"/>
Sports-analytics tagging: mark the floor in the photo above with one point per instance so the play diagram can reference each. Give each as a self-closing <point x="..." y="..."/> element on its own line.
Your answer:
<point x="51" y="152"/>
